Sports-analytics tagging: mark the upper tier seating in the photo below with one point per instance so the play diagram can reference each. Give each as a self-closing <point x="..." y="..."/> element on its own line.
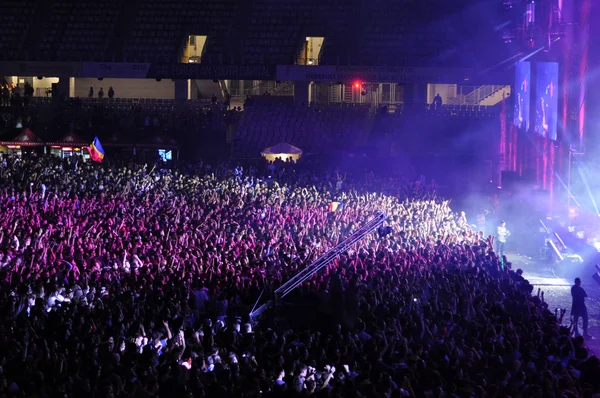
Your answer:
<point x="15" y="22"/>
<point x="157" y="32"/>
<point x="88" y="30"/>
<point x="274" y="31"/>
<point x="160" y="28"/>
<point x="261" y="31"/>
<point x="77" y="30"/>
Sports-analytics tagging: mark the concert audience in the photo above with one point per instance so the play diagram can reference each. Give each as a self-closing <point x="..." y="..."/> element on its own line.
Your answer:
<point x="123" y="280"/>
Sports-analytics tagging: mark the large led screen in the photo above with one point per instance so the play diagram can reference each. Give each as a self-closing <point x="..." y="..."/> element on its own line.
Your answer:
<point x="546" y="99"/>
<point x="522" y="99"/>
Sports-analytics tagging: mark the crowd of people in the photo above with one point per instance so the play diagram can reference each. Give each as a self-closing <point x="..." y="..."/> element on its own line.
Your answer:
<point x="122" y="280"/>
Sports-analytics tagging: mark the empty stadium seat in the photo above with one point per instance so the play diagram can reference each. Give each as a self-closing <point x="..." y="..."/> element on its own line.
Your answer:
<point x="15" y="21"/>
<point x="239" y="31"/>
<point x="311" y="128"/>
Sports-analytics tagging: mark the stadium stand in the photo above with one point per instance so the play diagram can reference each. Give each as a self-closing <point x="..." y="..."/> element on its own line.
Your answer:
<point x="160" y="28"/>
<point x="310" y="128"/>
<point x="76" y="30"/>
<point x="346" y="126"/>
<point x="145" y="42"/>
<point x="89" y="28"/>
<point x="15" y="19"/>
<point x="263" y="31"/>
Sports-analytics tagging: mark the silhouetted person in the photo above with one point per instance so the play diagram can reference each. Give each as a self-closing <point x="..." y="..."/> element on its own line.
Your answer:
<point x="579" y="308"/>
<point x="227" y="100"/>
<point x="28" y="90"/>
<point x="213" y="99"/>
<point x="101" y="93"/>
<point x="5" y="95"/>
<point x="437" y="101"/>
<point x="111" y="92"/>
<point x="91" y="92"/>
<point x="247" y="100"/>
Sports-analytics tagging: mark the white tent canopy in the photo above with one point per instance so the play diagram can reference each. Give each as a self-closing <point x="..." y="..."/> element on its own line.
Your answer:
<point x="282" y="151"/>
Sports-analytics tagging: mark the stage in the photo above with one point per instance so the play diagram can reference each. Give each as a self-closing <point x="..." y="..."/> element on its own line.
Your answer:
<point x="557" y="293"/>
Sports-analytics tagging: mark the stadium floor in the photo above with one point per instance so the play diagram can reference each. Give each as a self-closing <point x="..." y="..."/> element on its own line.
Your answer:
<point x="557" y="293"/>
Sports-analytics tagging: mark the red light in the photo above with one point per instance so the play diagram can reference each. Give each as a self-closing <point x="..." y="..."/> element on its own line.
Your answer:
<point x="357" y="85"/>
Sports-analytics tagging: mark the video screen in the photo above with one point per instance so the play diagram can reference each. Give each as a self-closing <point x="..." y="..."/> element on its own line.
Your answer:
<point x="522" y="99"/>
<point x="546" y="99"/>
<point x="165" y="154"/>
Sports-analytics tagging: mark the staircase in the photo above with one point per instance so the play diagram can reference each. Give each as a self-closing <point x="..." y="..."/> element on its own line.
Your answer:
<point x="486" y="95"/>
<point x="207" y="88"/>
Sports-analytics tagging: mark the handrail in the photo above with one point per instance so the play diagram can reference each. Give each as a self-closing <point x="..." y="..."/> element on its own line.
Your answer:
<point x="481" y="93"/>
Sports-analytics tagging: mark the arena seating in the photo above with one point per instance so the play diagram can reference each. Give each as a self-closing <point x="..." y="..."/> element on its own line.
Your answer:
<point x="400" y="33"/>
<point x="157" y="32"/>
<point x="309" y="128"/>
<point x="77" y="30"/>
<point x="90" y="26"/>
<point x="161" y="27"/>
<point x="345" y="126"/>
<point x="417" y="128"/>
<point x="15" y="20"/>
<point x="262" y="31"/>
<point x="275" y="31"/>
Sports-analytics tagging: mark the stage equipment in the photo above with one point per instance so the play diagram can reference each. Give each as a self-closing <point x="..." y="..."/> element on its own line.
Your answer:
<point x="316" y="266"/>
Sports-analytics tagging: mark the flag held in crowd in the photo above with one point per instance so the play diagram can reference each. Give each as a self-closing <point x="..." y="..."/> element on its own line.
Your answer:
<point x="96" y="151"/>
<point x="335" y="206"/>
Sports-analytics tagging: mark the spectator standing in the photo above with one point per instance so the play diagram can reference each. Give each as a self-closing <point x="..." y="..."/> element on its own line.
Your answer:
<point x="111" y="92"/>
<point x="28" y="90"/>
<point x="437" y="101"/>
<point x="227" y="100"/>
<point x="501" y="233"/>
<point x="579" y="309"/>
<point x="101" y="93"/>
<point x="91" y="92"/>
<point x="5" y="95"/>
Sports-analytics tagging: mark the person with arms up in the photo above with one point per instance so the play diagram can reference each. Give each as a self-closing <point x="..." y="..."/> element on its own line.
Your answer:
<point x="579" y="308"/>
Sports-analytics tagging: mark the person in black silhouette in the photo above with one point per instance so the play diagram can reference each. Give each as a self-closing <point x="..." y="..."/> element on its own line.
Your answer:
<point x="437" y="101"/>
